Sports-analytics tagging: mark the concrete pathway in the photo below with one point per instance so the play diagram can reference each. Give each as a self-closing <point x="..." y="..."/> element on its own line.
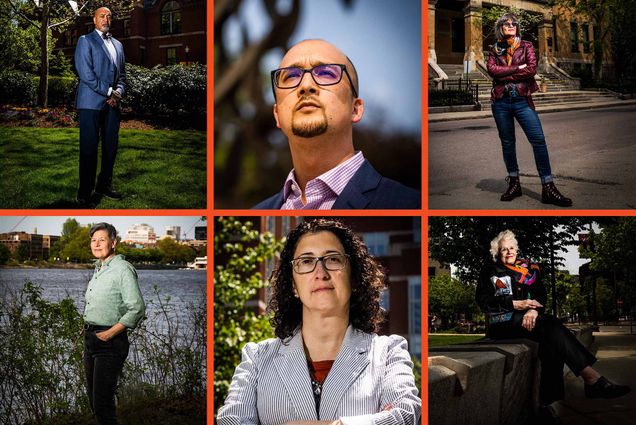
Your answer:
<point x="617" y="361"/>
<point x="453" y="116"/>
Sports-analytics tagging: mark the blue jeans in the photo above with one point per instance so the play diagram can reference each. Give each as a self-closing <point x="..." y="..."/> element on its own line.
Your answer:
<point x="505" y="111"/>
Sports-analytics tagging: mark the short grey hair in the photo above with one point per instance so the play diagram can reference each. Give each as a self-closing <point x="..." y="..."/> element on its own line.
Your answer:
<point x="505" y="18"/>
<point x="112" y="232"/>
<point x="506" y="235"/>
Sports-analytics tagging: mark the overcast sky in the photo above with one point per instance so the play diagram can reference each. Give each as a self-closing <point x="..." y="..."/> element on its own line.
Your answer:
<point x="53" y="225"/>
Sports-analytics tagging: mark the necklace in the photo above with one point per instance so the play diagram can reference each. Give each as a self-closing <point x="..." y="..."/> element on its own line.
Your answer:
<point x="316" y="387"/>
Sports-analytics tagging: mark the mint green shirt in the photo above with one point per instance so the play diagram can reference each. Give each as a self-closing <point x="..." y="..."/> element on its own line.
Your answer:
<point x="113" y="294"/>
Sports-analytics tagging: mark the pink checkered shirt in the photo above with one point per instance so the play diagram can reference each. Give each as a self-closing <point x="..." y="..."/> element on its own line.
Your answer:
<point x="321" y="193"/>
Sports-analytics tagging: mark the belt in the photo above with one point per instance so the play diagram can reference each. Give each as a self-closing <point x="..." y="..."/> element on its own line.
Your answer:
<point x="91" y="327"/>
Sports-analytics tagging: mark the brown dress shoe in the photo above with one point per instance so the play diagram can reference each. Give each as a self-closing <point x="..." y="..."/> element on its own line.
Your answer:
<point x="514" y="189"/>
<point x="551" y="195"/>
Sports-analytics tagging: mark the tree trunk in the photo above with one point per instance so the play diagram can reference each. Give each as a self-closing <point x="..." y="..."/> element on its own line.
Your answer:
<point x="43" y="88"/>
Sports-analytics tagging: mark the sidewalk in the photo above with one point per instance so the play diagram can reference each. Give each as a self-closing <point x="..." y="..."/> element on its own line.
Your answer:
<point x="453" y="116"/>
<point x="617" y="361"/>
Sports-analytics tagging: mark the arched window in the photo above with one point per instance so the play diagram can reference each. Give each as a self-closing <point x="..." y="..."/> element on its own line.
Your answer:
<point x="171" y="18"/>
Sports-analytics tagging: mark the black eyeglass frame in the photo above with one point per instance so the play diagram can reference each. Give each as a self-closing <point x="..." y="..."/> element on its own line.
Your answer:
<point x="322" y="260"/>
<point x="510" y="24"/>
<point x="305" y="70"/>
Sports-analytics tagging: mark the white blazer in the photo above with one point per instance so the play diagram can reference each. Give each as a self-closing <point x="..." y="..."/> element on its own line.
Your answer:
<point x="370" y="382"/>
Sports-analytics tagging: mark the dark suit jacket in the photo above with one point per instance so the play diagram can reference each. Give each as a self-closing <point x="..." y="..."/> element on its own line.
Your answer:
<point x="367" y="189"/>
<point x="97" y="72"/>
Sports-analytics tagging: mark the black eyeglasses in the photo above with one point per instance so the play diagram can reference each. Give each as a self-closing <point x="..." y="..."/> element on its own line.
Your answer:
<point x="331" y="262"/>
<point x="510" y="24"/>
<point x="323" y="75"/>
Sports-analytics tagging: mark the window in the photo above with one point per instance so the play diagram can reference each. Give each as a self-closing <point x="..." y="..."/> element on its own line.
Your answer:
<point x="457" y="35"/>
<point x="555" y="36"/>
<point x="171" y="56"/>
<point x="574" y="37"/>
<point x="415" y="316"/>
<point x="126" y="27"/>
<point x="586" y="38"/>
<point x="378" y="243"/>
<point x="171" y="18"/>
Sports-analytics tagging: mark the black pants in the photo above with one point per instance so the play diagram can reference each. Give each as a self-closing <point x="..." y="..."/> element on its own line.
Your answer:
<point x="557" y="346"/>
<point x="94" y="123"/>
<point x="103" y="361"/>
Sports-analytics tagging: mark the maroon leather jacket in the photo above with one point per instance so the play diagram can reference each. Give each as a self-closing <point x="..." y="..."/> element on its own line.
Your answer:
<point x="503" y="74"/>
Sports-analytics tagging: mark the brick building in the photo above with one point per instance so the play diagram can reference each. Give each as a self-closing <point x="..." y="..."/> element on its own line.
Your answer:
<point x="38" y="246"/>
<point x="157" y="32"/>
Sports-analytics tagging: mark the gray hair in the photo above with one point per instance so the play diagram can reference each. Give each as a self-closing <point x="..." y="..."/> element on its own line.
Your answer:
<point x="112" y="232"/>
<point x="506" y="235"/>
<point x="505" y="18"/>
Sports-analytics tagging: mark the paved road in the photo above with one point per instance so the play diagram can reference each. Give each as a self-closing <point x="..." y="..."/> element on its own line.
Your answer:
<point x="593" y="155"/>
<point x="617" y="361"/>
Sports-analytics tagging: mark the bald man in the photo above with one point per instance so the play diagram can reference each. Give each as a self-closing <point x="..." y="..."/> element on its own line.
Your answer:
<point x="101" y="67"/>
<point x="316" y="94"/>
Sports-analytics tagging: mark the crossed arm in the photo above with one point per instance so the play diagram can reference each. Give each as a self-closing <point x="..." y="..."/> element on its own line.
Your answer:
<point x="513" y="73"/>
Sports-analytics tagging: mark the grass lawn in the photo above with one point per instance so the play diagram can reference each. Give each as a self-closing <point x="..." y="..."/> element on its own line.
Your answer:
<point x="155" y="169"/>
<point x="449" y="339"/>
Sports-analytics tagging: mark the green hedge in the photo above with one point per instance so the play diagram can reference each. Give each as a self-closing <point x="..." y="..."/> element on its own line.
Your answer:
<point x="449" y="98"/>
<point x="160" y="91"/>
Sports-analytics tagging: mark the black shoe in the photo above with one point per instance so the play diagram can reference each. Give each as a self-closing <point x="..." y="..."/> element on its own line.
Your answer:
<point x="551" y="195"/>
<point x="547" y="416"/>
<point x="514" y="189"/>
<point x="85" y="203"/>
<point x="605" y="389"/>
<point x="109" y="192"/>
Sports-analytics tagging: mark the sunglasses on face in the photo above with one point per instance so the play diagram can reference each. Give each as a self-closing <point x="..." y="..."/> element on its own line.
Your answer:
<point x="510" y="24"/>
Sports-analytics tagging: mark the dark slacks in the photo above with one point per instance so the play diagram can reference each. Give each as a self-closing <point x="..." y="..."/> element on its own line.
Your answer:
<point x="557" y="346"/>
<point x="93" y="125"/>
<point x="103" y="362"/>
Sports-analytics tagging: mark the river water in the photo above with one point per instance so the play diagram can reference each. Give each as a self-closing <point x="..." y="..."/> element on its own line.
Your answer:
<point x="183" y="288"/>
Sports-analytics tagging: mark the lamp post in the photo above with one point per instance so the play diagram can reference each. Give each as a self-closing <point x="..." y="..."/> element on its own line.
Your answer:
<point x="187" y="50"/>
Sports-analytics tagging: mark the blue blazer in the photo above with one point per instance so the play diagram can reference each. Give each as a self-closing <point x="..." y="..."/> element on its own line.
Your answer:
<point x="97" y="72"/>
<point x="370" y="382"/>
<point x="367" y="189"/>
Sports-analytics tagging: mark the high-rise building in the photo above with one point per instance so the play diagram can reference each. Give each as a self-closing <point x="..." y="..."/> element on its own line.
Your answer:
<point x="173" y="232"/>
<point x="141" y="233"/>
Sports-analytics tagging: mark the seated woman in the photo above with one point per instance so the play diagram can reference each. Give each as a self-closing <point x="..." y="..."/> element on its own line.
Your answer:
<point x="512" y="296"/>
<point x="326" y="364"/>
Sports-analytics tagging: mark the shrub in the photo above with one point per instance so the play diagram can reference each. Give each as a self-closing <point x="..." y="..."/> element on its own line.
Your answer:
<point x="165" y="91"/>
<point x="62" y="91"/>
<point x="17" y="87"/>
<point x="449" y="98"/>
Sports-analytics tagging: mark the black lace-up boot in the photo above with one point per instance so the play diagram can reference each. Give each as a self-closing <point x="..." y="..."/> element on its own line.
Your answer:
<point x="551" y="195"/>
<point x="514" y="189"/>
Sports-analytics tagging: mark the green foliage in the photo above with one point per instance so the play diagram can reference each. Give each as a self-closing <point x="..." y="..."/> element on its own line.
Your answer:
<point x="21" y="253"/>
<point x="20" y="43"/>
<point x="41" y="357"/>
<point x="17" y="87"/>
<point x="173" y="252"/>
<point x="465" y="241"/>
<point x="449" y="298"/>
<point x="77" y="248"/>
<point x="60" y="66"/>
<point x="570" y="298"/>
<point x="527" y="21"/>
<point x="140" y="255"/>
<point x="5" y="254"/>
<point x="449" y="97"/>
<point x="62" y="90"/>
<point x="172" y="90"/>
<point x="239" y="251"/>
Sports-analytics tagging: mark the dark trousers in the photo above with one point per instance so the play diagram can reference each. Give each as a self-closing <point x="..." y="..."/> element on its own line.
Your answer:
<point x="505" y="111"/>
<point x="557" y="346"/>
<point x="103" y="362"/>
<point x="93" y="124"/>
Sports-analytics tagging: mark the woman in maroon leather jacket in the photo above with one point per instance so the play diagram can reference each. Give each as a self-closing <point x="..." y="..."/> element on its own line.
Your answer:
<point x="512" y="64"/>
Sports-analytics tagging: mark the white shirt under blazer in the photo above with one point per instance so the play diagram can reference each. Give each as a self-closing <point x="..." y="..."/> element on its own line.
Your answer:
<point x="370" y="382"/>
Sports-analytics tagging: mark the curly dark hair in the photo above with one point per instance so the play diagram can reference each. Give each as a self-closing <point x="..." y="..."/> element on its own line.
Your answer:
<point x="367" y="281"/>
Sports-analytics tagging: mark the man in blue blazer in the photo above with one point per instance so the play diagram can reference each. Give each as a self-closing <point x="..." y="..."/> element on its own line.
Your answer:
<point x="317" y="112"/>
<point x="101" y="67"/>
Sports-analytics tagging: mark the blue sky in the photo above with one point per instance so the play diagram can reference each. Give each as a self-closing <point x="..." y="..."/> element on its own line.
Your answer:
<point x="382" y="38"/>
<point x="53" y="225"/>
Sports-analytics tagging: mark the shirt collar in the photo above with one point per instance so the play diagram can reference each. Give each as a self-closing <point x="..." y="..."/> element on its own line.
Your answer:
<point x="331" y="178"/>
<point x="99" y="265"/>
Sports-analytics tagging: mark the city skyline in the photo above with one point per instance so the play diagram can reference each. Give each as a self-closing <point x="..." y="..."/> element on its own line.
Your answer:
<point x="52" y="225"/>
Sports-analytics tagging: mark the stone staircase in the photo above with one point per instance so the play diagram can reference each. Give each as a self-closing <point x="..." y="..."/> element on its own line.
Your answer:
<point x="560" y="90"/>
